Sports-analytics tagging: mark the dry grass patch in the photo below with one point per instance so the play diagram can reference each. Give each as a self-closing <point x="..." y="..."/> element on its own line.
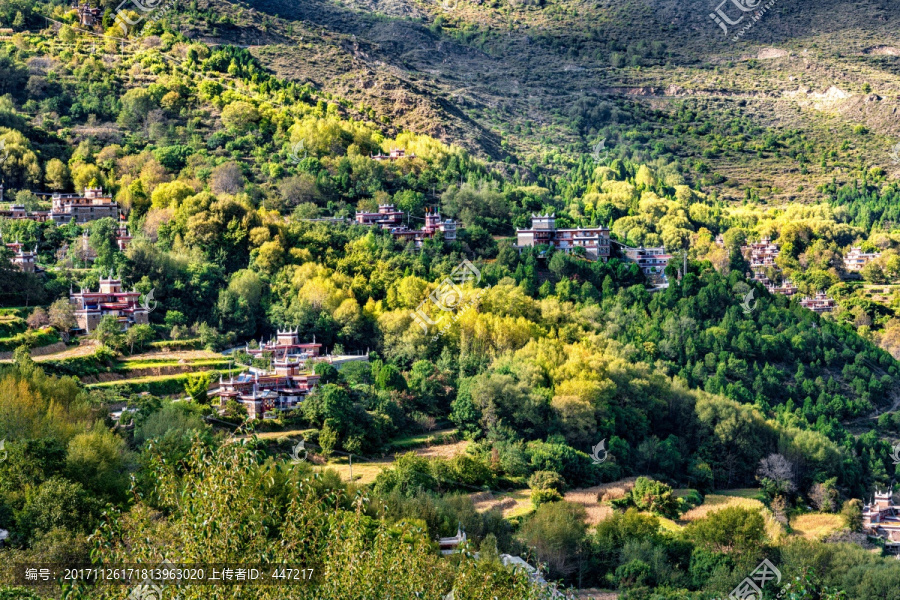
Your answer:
<point x="816" y="526"/>
<point x="510" y="504"/>
<point x="186" y="355"/>
<point x="445" y="451"/>
<point x="591" y="498"/>
<point x="714" y="502"/>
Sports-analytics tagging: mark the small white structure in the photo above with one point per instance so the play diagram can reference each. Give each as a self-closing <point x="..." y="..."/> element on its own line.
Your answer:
<point x="449" y="545"/>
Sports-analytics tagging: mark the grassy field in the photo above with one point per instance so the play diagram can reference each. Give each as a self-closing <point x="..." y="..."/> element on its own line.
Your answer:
<point x="363" y="472"/>
<point x="433" y="438"/>
<point x="164" y="385"/>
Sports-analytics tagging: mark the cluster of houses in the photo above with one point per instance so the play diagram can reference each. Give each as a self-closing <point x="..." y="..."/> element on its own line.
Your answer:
<point x="391" y="219"/>
<point x="881" y="519"/>
<point x="762" y="257"/>
<point x="83" y="208"/>
<point x="285" y="383"/>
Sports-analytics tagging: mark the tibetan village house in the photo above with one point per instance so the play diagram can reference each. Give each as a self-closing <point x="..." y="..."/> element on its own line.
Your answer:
<point x="594" y="240"/>
<point x="91" y="206"/>
<point x="433" y="225"/>
<point x="267" y="393"/>
<point x="24" y="260"/>
<point x="881" y="518"/>
<point x="387" y="217"/>
<point x="110" y="299"/>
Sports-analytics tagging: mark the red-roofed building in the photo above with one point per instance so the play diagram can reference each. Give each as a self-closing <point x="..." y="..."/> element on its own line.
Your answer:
<point x="387" y="217"/>
<point x="24" y="260"/>
<point x="122" y="236"/>
<point x="433" y="225"/>
<point x="268" y="393"/>
<point x="91" y="206"/>
<point x="110" y="299"/>
<point x="820" y="303"/>
<point x="881" y="518"/>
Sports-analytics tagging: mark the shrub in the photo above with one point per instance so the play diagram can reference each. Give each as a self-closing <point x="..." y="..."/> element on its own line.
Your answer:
<point x="543" y="496"/>
<point x="546" y="480"/>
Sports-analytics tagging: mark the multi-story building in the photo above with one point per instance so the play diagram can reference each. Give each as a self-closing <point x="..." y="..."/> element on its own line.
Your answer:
<point x="91" y="206"/>
<point x="91" y="307"/>
<point x="88" y="16"/>
<point x="786" y="288"/>
<point x="21" y="258"/>
<point x="820" y="303"/>
<point x="652" y="261"/>
<point x="594" y="240"/>
<point x="856" y="259"/>
<point x="387" y="217"/>
<point x="881" y="518"/>
<point x="122" y="236"/>
<point x="761" y="254"/>
<point x="285" y="382"/>
<point x="395" y="154"/>
<point x="286" y="345"/>
<point x="433" y="225"/>
<point x="267" y="393"/>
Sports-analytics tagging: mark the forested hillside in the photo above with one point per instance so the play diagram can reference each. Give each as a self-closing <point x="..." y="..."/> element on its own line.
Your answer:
<point x="733" y="421"/>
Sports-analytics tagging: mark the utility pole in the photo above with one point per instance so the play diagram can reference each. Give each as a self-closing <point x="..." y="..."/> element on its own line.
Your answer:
<point x="351" y="468"/>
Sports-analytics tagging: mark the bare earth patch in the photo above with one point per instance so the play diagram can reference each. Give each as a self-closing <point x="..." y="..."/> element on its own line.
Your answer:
<point x="883" y="51"/>
<point x="766" y="53"/>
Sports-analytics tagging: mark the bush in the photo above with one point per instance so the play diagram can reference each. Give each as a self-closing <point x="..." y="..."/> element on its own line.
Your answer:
<point x="546" y="480"/>
<point x="543" y="496"/>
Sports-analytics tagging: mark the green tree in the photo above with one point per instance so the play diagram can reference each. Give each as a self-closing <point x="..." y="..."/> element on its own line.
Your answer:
<point x="557" y="531"/>
<point x="732" y="530"/>
<point x="109" y="332"/>
<point x="57" y="503"/>
<point x="197" y="386"/>
<point x="99" y="460"/>
<point x="138" y="335"/>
